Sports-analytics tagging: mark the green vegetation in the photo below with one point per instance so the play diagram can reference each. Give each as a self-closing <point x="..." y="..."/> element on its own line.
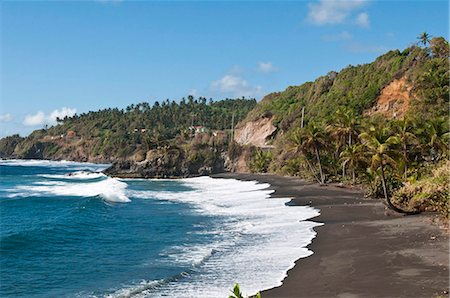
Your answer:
<point x="330" y="130"/>
<point x="8" y="145"/>
<point x="355" y="88"/>
<point x="429" y="193"/>
<point x="260" y="161"/>
<point x="113" y="134"/>
<point x="238" y="294"/>
<point x="339" y="140"/>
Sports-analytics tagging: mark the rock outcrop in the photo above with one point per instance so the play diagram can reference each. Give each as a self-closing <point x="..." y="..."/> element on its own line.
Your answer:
<point x="394" y="99"/>
<point x="165" y="164"/>
<point x="256" y="132"/>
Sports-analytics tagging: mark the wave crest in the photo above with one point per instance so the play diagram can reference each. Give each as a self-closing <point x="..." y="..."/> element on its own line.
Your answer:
<point x="110" y="189"/>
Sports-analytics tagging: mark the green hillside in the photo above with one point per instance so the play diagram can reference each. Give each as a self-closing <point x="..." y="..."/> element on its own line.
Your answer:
<point x="356" y="88"/>
<point x="112" y="134"/>
<point x="384" y="125"/>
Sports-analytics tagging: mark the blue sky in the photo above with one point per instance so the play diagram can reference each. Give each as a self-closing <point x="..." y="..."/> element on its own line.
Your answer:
<point x="60" y="58"/>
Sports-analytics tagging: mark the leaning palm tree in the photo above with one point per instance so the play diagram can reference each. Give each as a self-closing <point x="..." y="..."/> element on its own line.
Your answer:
<point x="351" y="157"/>
<point x="424" y="39"/>
<point x="380" y="145"/>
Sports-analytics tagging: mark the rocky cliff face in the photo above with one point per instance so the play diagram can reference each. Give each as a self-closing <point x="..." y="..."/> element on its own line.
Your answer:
<point x="256" y="132"/>
<point x="394" y="99"/>
<point x="166" y="164"/>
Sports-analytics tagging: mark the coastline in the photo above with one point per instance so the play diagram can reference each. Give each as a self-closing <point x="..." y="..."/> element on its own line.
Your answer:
<point x="363" y="249"/>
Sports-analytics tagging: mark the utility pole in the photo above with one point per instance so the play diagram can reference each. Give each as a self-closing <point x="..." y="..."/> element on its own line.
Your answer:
<point x="232" y="127"/>
<point x="303" y="115"/>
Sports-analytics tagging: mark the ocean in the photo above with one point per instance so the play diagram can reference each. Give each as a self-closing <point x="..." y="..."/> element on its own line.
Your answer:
<point x="67" y="230"/>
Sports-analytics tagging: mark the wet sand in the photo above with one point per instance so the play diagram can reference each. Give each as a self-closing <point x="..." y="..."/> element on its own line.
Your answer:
<point x="363" y="249"/>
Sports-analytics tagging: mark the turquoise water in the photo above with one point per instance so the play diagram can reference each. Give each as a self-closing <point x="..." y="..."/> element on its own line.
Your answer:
<point x="69" y="231"/>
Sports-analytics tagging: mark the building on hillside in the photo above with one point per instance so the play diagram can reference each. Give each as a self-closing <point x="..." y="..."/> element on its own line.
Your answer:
<point x="198" y="129"/>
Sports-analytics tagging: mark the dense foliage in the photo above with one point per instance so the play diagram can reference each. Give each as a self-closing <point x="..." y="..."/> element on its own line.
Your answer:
<point x="114" y="133"/>
<point x="356" y="88"/>
<point x="339" y="141"/>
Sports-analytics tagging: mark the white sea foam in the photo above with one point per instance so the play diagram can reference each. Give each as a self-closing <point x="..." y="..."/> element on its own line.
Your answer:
<point x="80" y="175"/>
<point x="109" y="189"/>
<point x="51" y="163"/>
<point x="261" y="240"/>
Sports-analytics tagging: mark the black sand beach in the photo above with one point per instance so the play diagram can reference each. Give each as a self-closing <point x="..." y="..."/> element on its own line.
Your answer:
<point x="363" y="250"/>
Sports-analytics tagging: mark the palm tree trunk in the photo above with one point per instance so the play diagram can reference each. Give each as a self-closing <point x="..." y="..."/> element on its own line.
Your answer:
<point x="322" y="178"/>
<point x="312" y="170"/>
<point x="405" y="157"/>
<point x="343" y="171"/>
<point x="388" y="200"/>
<point x="353" y="176"/>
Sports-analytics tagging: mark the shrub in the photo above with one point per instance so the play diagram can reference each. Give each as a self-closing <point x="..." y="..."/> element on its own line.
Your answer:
<point x="428" y="194"/>
<point x="260" y="161"/>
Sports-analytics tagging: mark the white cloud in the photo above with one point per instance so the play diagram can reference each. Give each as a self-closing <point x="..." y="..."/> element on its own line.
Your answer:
<point x="34" y="120"/>
<point x="266" y="67"/>
<point x="61" y="114"/>
<point x="193" y="92"/>
<point x="362" y="20"/>
<point x="235" y="86"/>
<point x="5" y="117"/>
<point x="41" y="119"/>
<point x="333" y="11"/>
<point x="344" y="35"/>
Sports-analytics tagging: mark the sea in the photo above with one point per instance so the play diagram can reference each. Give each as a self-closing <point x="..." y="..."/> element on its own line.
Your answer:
<point x="68" y="230"/>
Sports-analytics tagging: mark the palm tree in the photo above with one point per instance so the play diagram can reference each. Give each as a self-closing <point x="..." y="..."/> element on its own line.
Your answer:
<point x="380" y="145"/>
<point x="438" y="136"/>
<point x="296" y="145"/>
<point x="404" y="131"/>
<point x="351" y="156"/>
<point x="346" y="125"/>
<point x="310" y="140"/>
<point x="424" y="39"/>
<point x="344" y="129"/>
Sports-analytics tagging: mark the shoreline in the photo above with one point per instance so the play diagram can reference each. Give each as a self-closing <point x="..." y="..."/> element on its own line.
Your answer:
<point x="363" y="249"/>
<point x="379" y="253"/>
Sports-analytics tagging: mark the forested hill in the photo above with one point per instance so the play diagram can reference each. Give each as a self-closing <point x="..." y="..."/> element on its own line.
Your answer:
<point x="384" y="125"/>
<point x="112" y="134"/>
<point x="421" y="73"/>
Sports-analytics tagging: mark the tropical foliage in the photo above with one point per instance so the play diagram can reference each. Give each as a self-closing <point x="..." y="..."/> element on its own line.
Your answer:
<point x="338" y="140"/>
<point x="237" y="293"/>
<point x="114" y="133"/>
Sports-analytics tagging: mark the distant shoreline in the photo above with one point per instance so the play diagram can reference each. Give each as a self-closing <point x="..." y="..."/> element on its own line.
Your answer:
<point x="363" y="250"/>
